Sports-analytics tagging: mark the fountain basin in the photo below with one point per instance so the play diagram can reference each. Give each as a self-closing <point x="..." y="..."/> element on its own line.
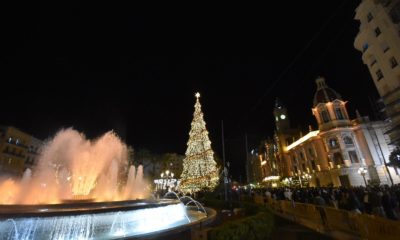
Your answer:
<point x="97" y="220"/>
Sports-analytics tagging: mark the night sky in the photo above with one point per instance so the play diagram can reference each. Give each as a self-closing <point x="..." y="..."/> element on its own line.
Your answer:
<point x="101" y="67"/>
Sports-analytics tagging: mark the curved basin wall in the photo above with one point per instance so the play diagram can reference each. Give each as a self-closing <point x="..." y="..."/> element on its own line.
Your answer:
<point x="106" y="225"/>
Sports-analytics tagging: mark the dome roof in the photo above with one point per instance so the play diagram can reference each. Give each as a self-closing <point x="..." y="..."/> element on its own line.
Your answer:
<point x="324" y="93"/>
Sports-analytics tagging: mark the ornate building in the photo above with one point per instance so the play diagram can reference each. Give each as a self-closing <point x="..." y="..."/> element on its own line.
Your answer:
<point x="334" y="154"/>
<point x="379" y="42"/>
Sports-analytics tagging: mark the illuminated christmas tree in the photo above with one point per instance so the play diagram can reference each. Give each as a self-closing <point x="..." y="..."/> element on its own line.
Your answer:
<point x="200" y="170"/>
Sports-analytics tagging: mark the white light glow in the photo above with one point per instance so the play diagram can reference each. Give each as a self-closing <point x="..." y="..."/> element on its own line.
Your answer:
<point x="101" y="226"/>
<point x="302" y="139"/>
<point x="271" y="178"/>
<point x="120" y="232"/>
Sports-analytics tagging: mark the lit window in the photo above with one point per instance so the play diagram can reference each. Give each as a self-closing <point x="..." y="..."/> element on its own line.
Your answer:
<point x="379" y="74"/>
<point x="393" y="62"/>
<point x="333" y="143"/>
<point x="377" y="32"/>
<point x="370" y="17"/>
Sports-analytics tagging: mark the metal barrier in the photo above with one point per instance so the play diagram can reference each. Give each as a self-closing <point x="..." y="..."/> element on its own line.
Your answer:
<point x="259" y="200"/>
<point x="342" y="220"/>
<point x="309" y="212"/>
<point x="331" y="219"/>
<point x="379" y="228"/>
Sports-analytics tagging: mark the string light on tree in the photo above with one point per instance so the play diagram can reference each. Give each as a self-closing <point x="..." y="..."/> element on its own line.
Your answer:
<point x="200" y="170"/>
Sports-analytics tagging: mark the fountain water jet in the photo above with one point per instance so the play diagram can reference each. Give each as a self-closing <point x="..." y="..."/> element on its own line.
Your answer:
<point x="75" y="193"/>
<point x="72" y="167"/>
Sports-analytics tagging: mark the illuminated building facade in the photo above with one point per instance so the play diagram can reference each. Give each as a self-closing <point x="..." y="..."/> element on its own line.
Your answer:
<point x="333" y="154"/>
<point x="283" y="136"/>
<point x="269" y="158"/>
<point x="254" y="167"/>
<point x="18" y="150"/>
<point x="379" y="41"/>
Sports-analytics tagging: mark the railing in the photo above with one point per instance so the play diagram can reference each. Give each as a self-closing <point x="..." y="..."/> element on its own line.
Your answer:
<point x="328" y="219"/>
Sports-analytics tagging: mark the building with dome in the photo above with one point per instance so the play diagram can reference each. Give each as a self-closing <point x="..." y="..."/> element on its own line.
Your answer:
<point x="342" y="152"/>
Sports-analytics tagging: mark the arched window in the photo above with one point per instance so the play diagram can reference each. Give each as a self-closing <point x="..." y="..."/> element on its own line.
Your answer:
<point x="325" y="116"/>
<point x="348" y="141"/>
<point x="339" y="114"/>
<point x="333" y="143"/>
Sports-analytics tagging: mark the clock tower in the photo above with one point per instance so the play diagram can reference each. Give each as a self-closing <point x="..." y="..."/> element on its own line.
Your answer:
<point x="282" y="122"/>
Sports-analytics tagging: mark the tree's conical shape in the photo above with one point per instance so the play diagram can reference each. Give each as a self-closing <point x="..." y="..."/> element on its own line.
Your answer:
<point x="200" y="170"/>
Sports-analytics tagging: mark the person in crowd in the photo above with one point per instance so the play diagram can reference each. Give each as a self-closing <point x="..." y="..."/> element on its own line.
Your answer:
<point x="388" y="206"/>
<point x="319" y="200"/>
<point x="366" y="202"/>
<point x="288" y="194"/>
<point x="375" y="199"/>
<point x="353" y="202"/>
<point x="382" y="201"/>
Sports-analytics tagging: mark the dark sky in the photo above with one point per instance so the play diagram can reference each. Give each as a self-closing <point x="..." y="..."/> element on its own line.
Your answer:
<point x="100" y="67"/>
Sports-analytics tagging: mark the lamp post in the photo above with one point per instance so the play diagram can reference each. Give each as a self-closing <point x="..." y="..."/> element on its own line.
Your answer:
<point x="307" y="177"/>
<point x="362" y="171"/>
<point x="167" y="178"/>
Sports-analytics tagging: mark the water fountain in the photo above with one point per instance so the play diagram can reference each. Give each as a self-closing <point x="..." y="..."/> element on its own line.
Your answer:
<point x="78" y="190"/>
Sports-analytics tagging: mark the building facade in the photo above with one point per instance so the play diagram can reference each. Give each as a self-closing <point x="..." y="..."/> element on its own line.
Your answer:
<point x="283" y="136"/>
<point x="336" y="152"/>
<point x="254" y="167"/>
<point x="18" y="151"/>
<point x="379" y="41"/>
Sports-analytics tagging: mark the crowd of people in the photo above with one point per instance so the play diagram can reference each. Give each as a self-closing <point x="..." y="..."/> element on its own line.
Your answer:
<point x="383" y="201"/>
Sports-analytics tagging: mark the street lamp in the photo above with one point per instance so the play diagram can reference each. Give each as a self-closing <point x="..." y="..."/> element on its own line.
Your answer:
<point x="167" y="179"/>
<point x="307" y="177"/>
<point x="362" y="171"/>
